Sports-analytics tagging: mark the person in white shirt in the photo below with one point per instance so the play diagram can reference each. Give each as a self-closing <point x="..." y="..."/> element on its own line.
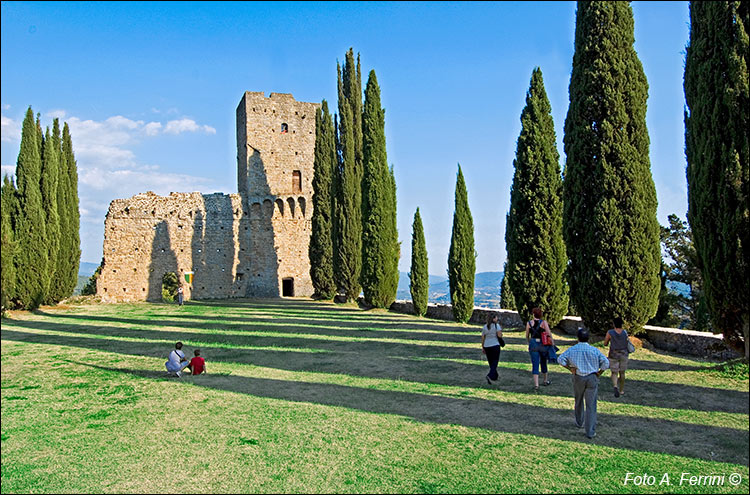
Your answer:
<point x="177" y="360"/>
<point x="586" y="362"/>
<point x="491" y="338"/>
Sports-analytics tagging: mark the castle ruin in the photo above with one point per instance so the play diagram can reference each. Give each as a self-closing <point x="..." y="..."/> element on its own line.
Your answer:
<point x="250" y="244"/>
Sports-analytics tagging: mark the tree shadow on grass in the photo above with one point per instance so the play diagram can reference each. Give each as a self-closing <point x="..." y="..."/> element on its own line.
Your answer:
<point x="613" y="430"/>
<point x="372" y="359"/>
<point x="242" y="324"/>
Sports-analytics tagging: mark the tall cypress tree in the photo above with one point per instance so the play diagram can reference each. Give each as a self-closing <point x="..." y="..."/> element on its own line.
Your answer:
<point x="321" y="241"/>
<point x="507" y="301"/>
<point x="716" y="147"/>
<point x="379" y="239"/>
<point x="49" y="186"/>
<point x="72" y="251"/>
<point x="419" y="276"/>
<point x="58" y="284"/>
<point x="8" y="244"/>
<point x="348" y="215"/>
<point x="461" y="256"/>
<point x="32" y="256"/>
<point x="609" y="213"/>
<point x="533" y="237"/>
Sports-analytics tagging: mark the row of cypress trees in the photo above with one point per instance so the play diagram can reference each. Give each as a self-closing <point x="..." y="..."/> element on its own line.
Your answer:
<point x="354" y="243"/>
<point x="461" y="259"/>
<point x="591" y="238"/>
<point x="40" y="219"/>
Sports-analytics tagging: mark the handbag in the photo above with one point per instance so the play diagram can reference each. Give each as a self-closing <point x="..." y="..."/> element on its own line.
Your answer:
<point x="546" y="339"/>
<point x="631" y="347"/>
<point x="502" y="341"/>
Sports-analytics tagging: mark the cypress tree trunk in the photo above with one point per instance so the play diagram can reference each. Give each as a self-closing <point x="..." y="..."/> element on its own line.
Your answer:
<point x="461" y="257"/>
<point x="536" y="263"/>
<point x="716" y="147"/>
<point x="609" y="214"/>
<point x="49" y="185"/>
<point x="8" y="245"/>
<point x="31" y="259"/>
<point x="321" y="241"/>
<point x="72" y="251"/>
<point x="419" y="276"/>
<point x="507" y="301"/>
<point x="379" y="265"/>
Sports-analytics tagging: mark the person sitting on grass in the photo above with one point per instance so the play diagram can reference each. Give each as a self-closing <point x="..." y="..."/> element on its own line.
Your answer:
<point x="198" y="364"/>
<point x="177" y="361"/>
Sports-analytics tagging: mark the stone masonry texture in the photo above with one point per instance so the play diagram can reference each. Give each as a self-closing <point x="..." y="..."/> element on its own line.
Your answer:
<point x="250" y="244"/>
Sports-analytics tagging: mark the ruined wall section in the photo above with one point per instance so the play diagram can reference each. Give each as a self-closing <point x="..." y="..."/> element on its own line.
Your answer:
<point x="275" y="154"/>
<point x="147" y="235"/>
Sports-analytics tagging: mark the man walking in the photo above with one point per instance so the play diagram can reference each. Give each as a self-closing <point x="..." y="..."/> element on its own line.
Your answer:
<point x="586" y="363"/>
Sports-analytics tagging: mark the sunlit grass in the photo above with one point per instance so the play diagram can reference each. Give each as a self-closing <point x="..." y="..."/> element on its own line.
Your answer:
<point x="311" y="397"/>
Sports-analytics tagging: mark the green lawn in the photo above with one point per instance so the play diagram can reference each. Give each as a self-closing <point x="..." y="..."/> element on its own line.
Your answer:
<point x="303" y="396"/>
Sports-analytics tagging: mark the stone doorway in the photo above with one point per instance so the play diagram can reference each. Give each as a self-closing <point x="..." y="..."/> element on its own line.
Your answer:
<point x="287" y="287"/>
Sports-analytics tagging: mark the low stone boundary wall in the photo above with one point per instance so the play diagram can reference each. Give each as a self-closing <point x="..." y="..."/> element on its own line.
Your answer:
<point x="689" y="342"/>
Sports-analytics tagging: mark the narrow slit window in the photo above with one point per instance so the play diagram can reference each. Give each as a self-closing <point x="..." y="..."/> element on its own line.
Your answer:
<point x="296" y="182"/>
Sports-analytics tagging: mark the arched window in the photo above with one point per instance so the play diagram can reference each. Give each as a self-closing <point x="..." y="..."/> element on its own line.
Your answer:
<point x="280" y="207"/>
<point x="296" y="182"/>
<point x="302" y="205"/>
<point x="284" y="128"/>
<point x="290" y="201"/>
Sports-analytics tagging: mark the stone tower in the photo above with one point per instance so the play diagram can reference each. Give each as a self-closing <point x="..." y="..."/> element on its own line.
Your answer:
<point x="275" y="153"/>
<point x="251" y="244"/>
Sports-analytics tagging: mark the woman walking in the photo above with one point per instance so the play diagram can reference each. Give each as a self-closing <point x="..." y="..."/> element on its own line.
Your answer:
<point x="538" y="351"/>
<point x="492" y="335"/>
<point x="617" y="338"/>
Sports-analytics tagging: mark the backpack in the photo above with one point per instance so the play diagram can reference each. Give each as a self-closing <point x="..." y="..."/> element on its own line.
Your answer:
<point x="536" y="330"/>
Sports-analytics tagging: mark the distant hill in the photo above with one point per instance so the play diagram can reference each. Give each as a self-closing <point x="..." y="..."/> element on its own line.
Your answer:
<point x="486" y="289"/>
<point x="87" y="269"/>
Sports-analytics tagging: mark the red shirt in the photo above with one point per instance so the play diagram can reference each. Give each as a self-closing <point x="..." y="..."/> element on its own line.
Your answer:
<point x="198" y="364"/>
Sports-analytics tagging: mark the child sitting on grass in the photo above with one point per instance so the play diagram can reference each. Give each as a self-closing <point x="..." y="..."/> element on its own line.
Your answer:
<point x="198" y="364"/>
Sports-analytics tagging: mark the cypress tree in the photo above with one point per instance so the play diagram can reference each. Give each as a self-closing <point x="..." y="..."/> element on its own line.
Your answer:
<point x="49" y="186"/>
<point x="379" y="237"/>
<point x="8" y="244"/>
<point x="716" y="147"/>
<point x="536" y="262"/>
<point x="609" y="213"/>
<point x="321" y="241"/>
<point x="461" y="256"/>
<point x="31" y="260"/>
<point x="419" y="277"/>
<point x="348" y="215"/>
<point x="507" y="301"/>
<point x="58" y="285"/>
<point x="71" y="255"/>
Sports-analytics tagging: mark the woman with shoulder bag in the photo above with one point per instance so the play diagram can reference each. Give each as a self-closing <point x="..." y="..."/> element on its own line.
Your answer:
<point x="492" y="340"/>
<point x="539" y="352"/>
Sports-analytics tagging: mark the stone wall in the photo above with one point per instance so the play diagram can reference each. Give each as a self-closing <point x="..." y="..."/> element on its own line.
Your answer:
<point x="254" y="243"/>
<point x="669" y="339"/>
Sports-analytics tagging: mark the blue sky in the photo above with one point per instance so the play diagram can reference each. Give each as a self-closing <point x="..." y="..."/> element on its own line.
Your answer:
<point x="150" y="91"/>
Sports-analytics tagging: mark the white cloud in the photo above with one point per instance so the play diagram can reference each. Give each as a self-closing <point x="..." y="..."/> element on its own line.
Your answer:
<point x="109" y="168"/>
<point x="8" y="169"/>
<point x="152" y="128"/>
<point x="57" y="114"/>
<point x="10" y="130"/>
<point x="187" y="125"/>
